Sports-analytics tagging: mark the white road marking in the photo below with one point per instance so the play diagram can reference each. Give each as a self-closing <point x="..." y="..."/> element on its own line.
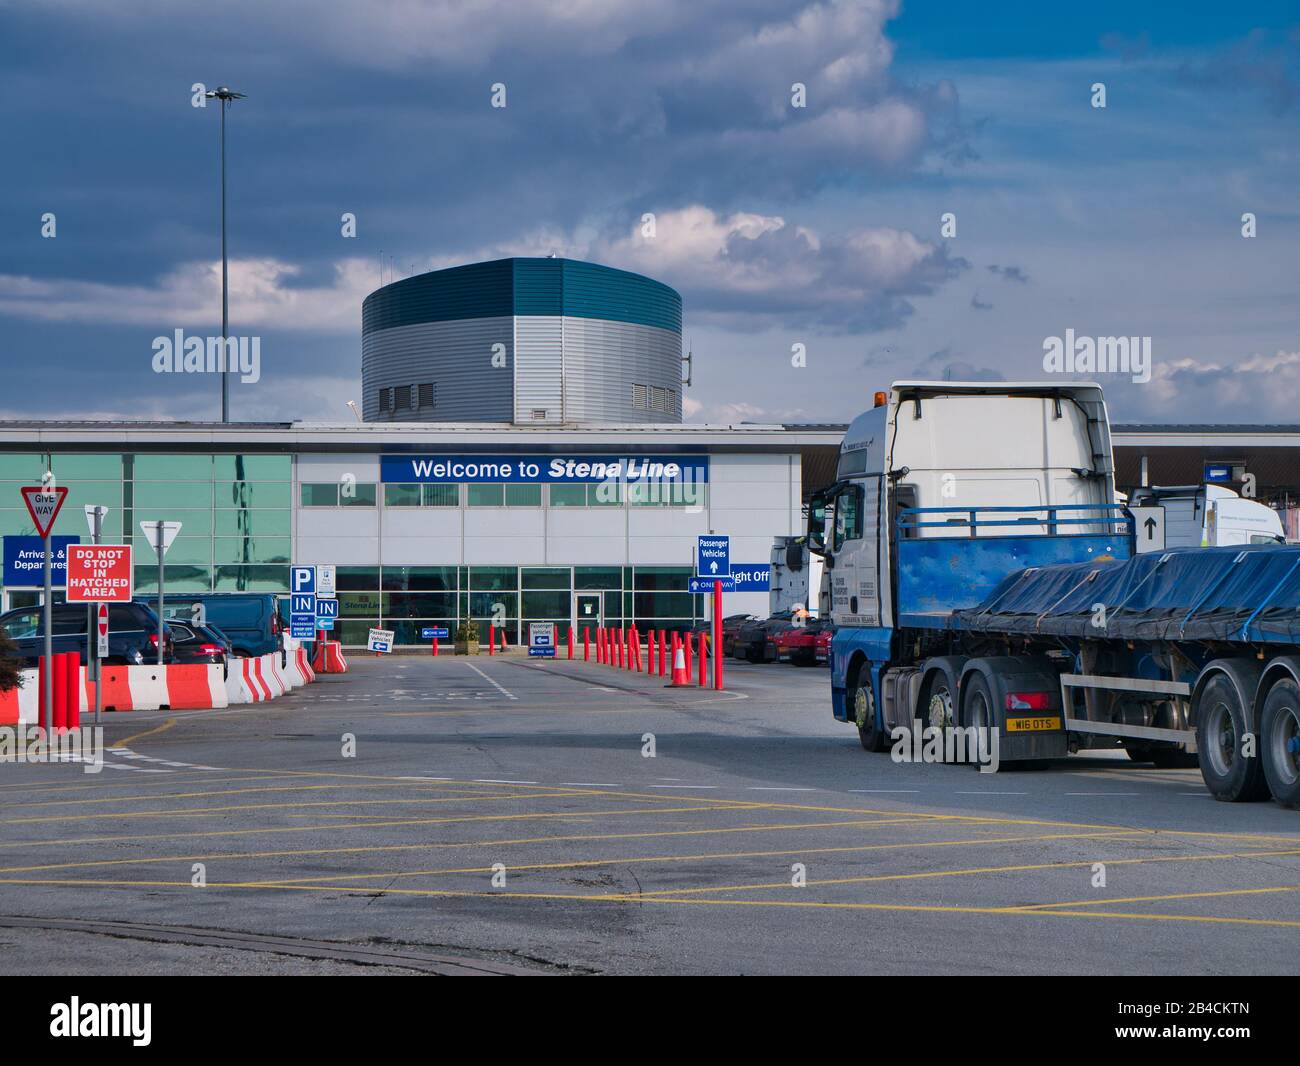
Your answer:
<point x="909" y="790"/>
<point x="500" y="781"/>
<point x="593" y="784"/>
<point x="505" y="692"/>
<point x="778" y="788"/>
<point x="683" y="786"/>
<point x="983" y="793"/>
<point x="1103" y="793"/>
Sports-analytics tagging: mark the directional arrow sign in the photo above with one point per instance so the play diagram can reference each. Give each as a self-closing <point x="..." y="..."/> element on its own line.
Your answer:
<point x="713" y="557"/>
<point x="169" y="531"/>
<point x="1149" y="525"/>
<point x="43" y="505"/>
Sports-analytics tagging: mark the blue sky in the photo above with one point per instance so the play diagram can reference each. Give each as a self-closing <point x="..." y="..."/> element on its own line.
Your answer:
<point x="817" y="226"/>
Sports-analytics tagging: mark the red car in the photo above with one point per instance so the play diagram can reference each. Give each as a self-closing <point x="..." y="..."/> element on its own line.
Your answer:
<point x="805" y="645"/>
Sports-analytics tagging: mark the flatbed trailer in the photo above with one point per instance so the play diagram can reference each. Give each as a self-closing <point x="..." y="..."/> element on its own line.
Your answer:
<point x="1037" y="627"/>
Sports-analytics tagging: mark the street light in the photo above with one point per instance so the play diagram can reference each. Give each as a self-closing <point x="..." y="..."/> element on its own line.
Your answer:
<point x="225" y="95"/>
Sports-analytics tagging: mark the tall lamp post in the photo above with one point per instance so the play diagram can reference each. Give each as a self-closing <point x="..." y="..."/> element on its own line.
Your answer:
<point x="225" y="95"/>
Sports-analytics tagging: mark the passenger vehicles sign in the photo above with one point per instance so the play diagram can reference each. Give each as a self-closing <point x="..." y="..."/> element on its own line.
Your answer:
<point x="380" y="640"/>
<point x="99" y="573"/>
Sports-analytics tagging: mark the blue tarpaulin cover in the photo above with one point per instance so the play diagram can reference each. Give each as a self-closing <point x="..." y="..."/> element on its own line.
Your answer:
<point x="1234" y="593"/>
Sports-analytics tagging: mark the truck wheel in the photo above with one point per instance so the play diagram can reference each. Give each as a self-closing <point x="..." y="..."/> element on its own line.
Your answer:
<point x="979" y="715"/>
<point x="862" y="704"/>
<point x="1221" y="724"/>
<point x="1280" y="742"/>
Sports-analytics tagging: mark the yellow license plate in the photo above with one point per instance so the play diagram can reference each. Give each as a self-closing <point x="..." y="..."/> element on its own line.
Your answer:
<point x="1032" y="725"/>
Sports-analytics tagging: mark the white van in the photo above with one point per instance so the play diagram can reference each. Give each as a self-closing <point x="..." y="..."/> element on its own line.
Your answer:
<point x="1210" y="516"/>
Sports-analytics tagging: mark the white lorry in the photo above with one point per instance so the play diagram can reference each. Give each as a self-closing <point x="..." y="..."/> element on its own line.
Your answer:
<point x="1210" y="516"/>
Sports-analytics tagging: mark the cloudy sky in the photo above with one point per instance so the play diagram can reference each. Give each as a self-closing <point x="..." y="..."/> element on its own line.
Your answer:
<point x="819" y="225"/>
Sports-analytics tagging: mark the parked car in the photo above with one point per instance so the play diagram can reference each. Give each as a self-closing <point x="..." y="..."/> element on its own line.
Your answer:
<point x="251" y="620"/>
<point x="753" y="640"/>
<point x="199" y="644"/>
<point x="132" y="633"/>
<point x="803" y="645"/>
<point x="730" y="625"/>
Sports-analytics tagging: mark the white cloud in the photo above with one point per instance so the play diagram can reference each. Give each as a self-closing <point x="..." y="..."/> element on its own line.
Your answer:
<point x="1259" y="388"/>
<point x="262" y="296"/>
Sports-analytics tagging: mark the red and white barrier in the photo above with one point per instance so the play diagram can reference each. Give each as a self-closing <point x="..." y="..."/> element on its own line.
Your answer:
<point x="21" y="706"/>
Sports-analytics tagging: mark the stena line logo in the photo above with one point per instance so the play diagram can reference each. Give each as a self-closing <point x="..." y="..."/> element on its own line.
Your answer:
<point x="121" y="1020"/>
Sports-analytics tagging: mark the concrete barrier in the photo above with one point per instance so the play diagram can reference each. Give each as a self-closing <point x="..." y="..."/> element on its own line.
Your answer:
<point x="304" y="666"/>
<point x="195" y="686"/>
<point x="21" y="706"/>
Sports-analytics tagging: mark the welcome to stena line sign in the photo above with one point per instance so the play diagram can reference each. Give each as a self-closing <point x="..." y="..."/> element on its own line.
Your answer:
<point x="544" y="469"/>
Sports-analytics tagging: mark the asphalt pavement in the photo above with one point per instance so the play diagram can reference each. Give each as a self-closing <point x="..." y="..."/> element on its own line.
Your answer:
<point x="501" y="815"/>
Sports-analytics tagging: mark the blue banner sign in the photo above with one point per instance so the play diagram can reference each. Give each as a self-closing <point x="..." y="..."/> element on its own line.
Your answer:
<point x="432" y="632"/>
<point x="752" y="577"/>
<point x="543" y="469"/>
<point x="24" y="561"/>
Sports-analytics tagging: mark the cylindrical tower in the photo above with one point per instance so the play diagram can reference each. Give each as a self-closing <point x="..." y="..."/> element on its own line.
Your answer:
<point x="528" y="341"/>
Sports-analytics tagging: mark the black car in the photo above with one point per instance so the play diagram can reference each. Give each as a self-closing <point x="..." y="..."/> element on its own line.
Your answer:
<point x="199" y="644"/>
<point x="753" y="640"/>
<point x="132" y="632"/>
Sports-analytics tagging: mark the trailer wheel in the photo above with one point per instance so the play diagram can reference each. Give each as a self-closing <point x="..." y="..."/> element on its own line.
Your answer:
<point x="1280" y="742"/>
<point x="862" y="702"/>
<point x="1222" y="722"/>
<point x="978" y="714"/>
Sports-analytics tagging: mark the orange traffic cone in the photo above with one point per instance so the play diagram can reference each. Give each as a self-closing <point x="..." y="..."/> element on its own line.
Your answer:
<point x="681" y="675"/>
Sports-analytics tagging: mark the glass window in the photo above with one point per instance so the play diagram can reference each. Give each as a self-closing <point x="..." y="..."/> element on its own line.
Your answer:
<point x="153" y="467"/>
<point x="69" y="468"/>
<point x="648" y="494"/>
<point x="605" y="494"/>
<point x="263" y="522"/>
<point x="358" y="605"/>
<point x="252" y="550"/>
<point x="27" y="624"/>
<point x="180" y="578"/>
<point x="362" y="494"/>
<point x="663" y="604"/>
<point x="568" y="495"/>
<point x="690" y="494"/>
<point x="356" y="577"/>
<point x="249" y="579"/>
<point x="183" y="550"/>
<point x="492" y="578"/>
<point x="355" y="633"/>
<point x="419" y="604"/>
<point x="553" y="577"/>
<point x="402" y="495"/>
<point x="848" y="515"/>
<point x="483" y="605"/>
<point x="253" y="494"/>
<point x="484" y="495"/>
<point x="25" y="468"/>
<point x="441" y="495"/>
<point x="320" y="494"/>
<point x="662" y="578"/>
<point x="542" y="605"/>
<point x="252" y="467"/>
<point x="597" y="577"/>
<point x="523" y="495"/>
<point x="169" y="495"/>
<point x="420" y="578"/>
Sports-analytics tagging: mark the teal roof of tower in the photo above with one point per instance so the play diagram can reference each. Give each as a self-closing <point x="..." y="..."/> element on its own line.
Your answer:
<point x="520" y="286"/>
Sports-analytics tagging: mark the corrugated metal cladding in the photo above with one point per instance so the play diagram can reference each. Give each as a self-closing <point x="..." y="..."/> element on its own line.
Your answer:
<point x="454" y="357"/>
<point x="580" y="339"/>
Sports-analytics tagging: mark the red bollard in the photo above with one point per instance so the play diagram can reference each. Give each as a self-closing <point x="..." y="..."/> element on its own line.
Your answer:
<point x="586" y="644"/>
<point x="570" y="642"/>
<point x="636" y="648"/>
<point x="43" y="674"/>
<point x="690" y="654"/>
<point x="663" y="654"/>
<point x="650" y="650"/>
<point x="434" y="649"/>
<point x="622" y="647"/>
<point x="492" y="640"/>
<point x="704" y="659"/>
<point x="75" y="690"/>
<point x="59" y="670"/>
<point x="717" y="636"/>
<point x="600" y="646"/>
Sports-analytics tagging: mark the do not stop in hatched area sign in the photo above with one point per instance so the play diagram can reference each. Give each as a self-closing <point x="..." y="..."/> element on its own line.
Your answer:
<point x="99" y="573"/>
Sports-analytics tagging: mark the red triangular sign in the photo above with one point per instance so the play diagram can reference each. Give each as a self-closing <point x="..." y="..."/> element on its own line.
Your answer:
<point x="43" y="505"/>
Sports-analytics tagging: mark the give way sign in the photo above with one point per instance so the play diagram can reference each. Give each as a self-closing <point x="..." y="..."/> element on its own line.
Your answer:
<point x="43" y="505"/>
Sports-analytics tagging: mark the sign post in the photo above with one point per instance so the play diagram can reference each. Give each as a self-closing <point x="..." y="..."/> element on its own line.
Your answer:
<point x="95" y="520"/>
<point x="43" y="503"/>
<point x="161" y="535"/>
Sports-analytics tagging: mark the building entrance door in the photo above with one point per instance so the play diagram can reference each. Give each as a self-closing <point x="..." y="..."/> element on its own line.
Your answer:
<point x="586" y="613"/>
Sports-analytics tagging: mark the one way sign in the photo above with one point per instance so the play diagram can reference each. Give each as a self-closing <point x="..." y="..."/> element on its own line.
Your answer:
<point x="1149" y="524"/>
